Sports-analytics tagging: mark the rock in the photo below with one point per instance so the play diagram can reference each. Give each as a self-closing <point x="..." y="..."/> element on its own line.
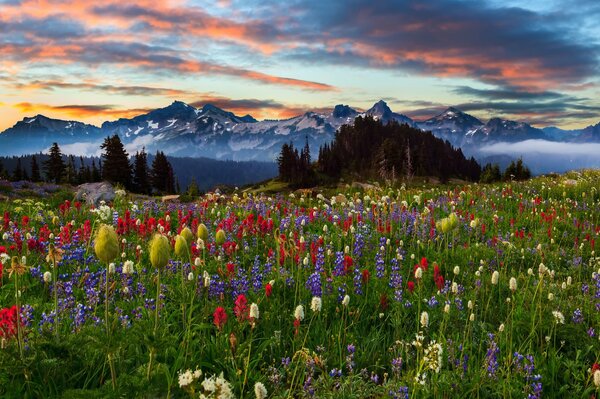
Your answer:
<point x="93" y="193"/>
<point x="365" y="186"/>
<point x="169" y="198"/>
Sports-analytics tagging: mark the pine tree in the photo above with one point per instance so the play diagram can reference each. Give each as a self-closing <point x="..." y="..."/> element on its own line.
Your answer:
<point x="116" y="168"/>
<point x="35" y="170"/>
<point x="70" y="172"/>
<point x="141" y="175"/>
<point x="2" y="170"/>
<point x="193" y="190"/>
<point x="54" y="167"/>
<point x="95" y="172"/>
<point x="18" y="172"/>
<point x="162" y="176"/>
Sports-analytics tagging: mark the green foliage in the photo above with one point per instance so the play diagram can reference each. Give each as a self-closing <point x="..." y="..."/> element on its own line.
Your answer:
<point x="116" y="167"/>
<point x="517" y="171"/>
<point x="374" y="344"/>
<point x="490" y="174"/>
<point x="393" y="152"/>
<point x="54" y="167"/>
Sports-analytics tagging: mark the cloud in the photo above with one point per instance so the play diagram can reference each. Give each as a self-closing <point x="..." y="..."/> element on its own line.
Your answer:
<point x="508" y="94"/>
<point x="138" y="143"/>
<point x="88" y="148"/>
<point x="543" y="147"/>
<point x="141" y="56"/>
<point x="52" y="85"/>
<point x="260" y="109"/>
<point x="451" y="38"/>
<point x="81" y="111"/>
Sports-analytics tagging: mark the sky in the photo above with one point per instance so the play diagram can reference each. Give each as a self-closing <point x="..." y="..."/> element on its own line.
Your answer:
<point x="534" y="60"/>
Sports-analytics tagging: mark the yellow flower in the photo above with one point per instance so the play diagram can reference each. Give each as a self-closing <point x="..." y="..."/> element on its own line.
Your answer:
<point x="220" y="237"/>
<point x="159" y="251"/>
<point x="202" y="232"/>
<point x="106" y="244"/>
<point x="181" y="246"/>
<point x="188" y="235"/>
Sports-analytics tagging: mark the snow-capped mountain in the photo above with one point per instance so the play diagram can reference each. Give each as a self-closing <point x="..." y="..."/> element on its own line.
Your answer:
<point x="497" y="129"/>
<point x="383" y="113"/>
<point x="186" y="131"/>
<point x="453" y="125"/>
<point x="39" y="132"/>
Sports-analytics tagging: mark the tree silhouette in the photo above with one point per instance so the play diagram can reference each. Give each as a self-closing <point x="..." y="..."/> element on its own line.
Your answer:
<point x="162" y="176"/>
<point x="35" y="170"/>
<point x="54" y="167"/>
<point x="116" y="168"/>
<point x="141" y="175"/>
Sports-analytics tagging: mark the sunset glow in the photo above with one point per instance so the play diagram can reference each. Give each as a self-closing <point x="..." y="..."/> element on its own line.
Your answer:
<point x="97" y="61"/>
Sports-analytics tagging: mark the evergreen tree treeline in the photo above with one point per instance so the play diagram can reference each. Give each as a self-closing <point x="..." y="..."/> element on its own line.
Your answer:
<point x="370" y="149"/>
<point x="294" y="167"/>
<point x="114" y="166"/>
<point x="515" y="171"/>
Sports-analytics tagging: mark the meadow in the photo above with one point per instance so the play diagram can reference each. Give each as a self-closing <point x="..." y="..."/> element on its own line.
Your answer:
<point x="406" y="292"/>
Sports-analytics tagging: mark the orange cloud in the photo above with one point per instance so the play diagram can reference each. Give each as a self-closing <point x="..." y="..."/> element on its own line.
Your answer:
<point x="80" y="111"/>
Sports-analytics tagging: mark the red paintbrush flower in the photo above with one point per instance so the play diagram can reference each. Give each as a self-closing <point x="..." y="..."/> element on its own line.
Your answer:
<point x="220" y="317"/>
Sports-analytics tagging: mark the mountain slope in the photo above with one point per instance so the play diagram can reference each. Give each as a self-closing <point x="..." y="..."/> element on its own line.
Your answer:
<point x="39" y="132"/>
<point x="185" y="131"/>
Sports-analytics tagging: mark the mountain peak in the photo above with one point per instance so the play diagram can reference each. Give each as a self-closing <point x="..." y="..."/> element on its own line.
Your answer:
<point x="178" y="103"/>
<point x="379" y="108"/>
<point x="342" y="111"/>
<point x="452" y="110"/>
<point x="210" y="107"/>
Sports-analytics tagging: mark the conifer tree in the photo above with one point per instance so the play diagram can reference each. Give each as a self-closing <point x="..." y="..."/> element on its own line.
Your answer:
<point x="141" y="175"/>
<point x="95" y="172"/>
<point x="35" y="170"/>
<point x="162" y="176"/>
<point x="116" y="168"/>
<point x="54" y="167"/>
<point x="18" y="172"/>
<point x="70" y="172"/>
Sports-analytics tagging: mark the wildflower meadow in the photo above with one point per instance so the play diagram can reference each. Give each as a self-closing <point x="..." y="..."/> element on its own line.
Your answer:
<point x="450" y="291"/>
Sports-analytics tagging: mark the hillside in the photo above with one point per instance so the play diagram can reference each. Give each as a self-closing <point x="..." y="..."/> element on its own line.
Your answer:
<point x="394" y="151"/>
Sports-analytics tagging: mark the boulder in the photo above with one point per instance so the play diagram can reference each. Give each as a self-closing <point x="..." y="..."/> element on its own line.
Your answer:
<point x="93" y="193"/>
<point x="365" y="186"/>
<point x="170" y="198"/>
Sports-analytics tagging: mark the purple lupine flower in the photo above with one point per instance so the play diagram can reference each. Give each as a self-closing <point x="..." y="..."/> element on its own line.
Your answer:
<point x="313" y="284"/>
<point x="577" y="316"/>
<point x="320" y="261"/>
<point x="397" y="365"/>
<point x="257" y="277"/>
<point x="400" y="393"/>
<point x="396" y="280"/>
<point x="491" y="357"/>
<point x="338" y="269"/>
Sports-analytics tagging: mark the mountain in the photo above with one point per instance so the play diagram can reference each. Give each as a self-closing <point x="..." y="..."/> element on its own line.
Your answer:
<point x="502" y="130"/>
<point x="183" y="130"/>
<point x="39" y="132"/>
<point x="590" y="133"/>
<point x="381" y="112"/>
<point x="452" y="125"/>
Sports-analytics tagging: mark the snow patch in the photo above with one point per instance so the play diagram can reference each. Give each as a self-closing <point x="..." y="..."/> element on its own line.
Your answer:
<point x="152" y="125"/>
<point x="171" y="123"/>
<point x="139" y="129"/>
